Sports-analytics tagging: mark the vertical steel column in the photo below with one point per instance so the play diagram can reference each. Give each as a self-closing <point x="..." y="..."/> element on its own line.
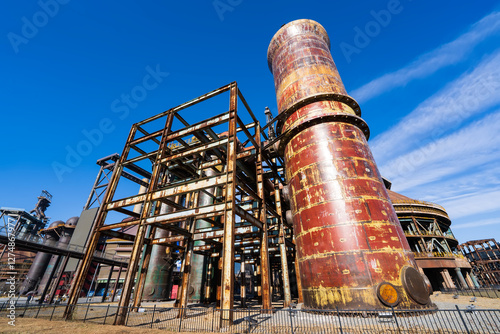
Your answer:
<point x="84" y="265"/>
<point x="284" y="259"/>
<point x="227" y="280"/>
<point x="106" y="288"/>
<point x="351" y="248"/>
<point x="115" y="286"/>
<point x="265" y="270"/>
<point x="461" y="278"/>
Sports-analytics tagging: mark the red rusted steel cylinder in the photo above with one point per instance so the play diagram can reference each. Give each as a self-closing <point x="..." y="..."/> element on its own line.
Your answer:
<point x="351" y="249"/>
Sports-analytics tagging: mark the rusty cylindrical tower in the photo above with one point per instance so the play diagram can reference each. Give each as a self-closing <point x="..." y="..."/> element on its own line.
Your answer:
<point x="351" y="249"/>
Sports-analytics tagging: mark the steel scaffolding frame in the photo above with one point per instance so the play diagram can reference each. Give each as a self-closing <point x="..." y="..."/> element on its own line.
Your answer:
<point x="245" y="217"/>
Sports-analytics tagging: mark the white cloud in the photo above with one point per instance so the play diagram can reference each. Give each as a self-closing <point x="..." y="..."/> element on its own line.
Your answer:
<point x="471" y="94"/>
<point x="473" y="181"/>
<point x="425" y="65"/>
<point x="472" y="146"/>
<point x="468" y="206"/>
<point x="477" y="223"/>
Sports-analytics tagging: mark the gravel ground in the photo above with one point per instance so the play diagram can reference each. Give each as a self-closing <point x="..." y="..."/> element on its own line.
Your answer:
<point x="447" y="302"/>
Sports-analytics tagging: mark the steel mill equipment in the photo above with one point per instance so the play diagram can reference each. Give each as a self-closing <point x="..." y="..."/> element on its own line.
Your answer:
<point x="351" y="249"/>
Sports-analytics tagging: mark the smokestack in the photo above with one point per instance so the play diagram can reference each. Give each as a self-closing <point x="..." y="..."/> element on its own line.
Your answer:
<point x="351" y="249"/>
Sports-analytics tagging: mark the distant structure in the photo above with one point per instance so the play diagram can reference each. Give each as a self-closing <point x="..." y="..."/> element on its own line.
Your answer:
<point x="44" y="201"/>
<point x="484" y="255"/>
<point x="427" y="228"/>
<point x="26" y="226"/>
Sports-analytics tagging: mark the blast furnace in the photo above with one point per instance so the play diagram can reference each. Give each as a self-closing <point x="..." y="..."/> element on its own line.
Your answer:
<point x="351" y="250"/>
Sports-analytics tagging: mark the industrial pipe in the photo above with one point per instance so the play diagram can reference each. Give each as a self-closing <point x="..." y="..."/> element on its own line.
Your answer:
<point x="66" y="232"/>
<point x="41" y="260"/>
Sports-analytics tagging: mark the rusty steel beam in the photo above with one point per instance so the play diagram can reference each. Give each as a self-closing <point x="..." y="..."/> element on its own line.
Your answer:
<point x="262" y="215"/>
<point x="227" y="279"/>
<point x="167" y="240"/>
<point x="220" y="233"/>
<point x="195" y="185"/>
<point x="199" y="213"/>
<point x="190" y="103"/>
<point x="198" y="149"/>
<point x="119" y="235"/>
<point x="248" y="217"/>
<point x="351" y="249"/>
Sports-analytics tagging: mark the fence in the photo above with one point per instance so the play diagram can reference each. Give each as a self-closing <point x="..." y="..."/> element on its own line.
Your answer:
<point x="479" y="292"/>
<point x="291" y="321"/>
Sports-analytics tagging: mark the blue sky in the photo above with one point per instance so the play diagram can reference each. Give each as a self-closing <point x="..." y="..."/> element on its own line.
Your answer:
<point x="426" y="74"/>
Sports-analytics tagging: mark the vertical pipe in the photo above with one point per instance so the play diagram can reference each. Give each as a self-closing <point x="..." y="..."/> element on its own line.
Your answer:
<point x="143" y="266"/>
<point x="243" y="284"/>
<point x="287" y="300"/>
<point x="41" y="261"/>
<point x="351" y="249"/>
<point x="51" y="273"/>
<point x="155" y="287"/>
<point x="297" y="274"/>
<point x="199" y="262"/>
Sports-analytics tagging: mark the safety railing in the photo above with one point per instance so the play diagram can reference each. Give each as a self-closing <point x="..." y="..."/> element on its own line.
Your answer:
<point x="287" y="320"/>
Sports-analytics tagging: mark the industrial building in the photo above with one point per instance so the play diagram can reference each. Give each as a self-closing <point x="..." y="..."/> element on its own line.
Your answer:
<point x="224" y="196"/>
<point x="427" y="228"/>
<point x="484" y="256"/>
<point x="25" y="226"/>
<point x="298" y="204"/>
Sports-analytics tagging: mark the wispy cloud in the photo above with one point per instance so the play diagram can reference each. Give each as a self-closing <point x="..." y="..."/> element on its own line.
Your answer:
<point x="483" y="222"/>
<point x="472" y="146"/>
<point x="472" y="205"/>
<point x="425" y="65"/>
<point x="471" y="94"/>
<point x="477" y="180"/>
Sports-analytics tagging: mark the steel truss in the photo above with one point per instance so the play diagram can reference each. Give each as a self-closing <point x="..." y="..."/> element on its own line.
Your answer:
<point x="220" y="157"/>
